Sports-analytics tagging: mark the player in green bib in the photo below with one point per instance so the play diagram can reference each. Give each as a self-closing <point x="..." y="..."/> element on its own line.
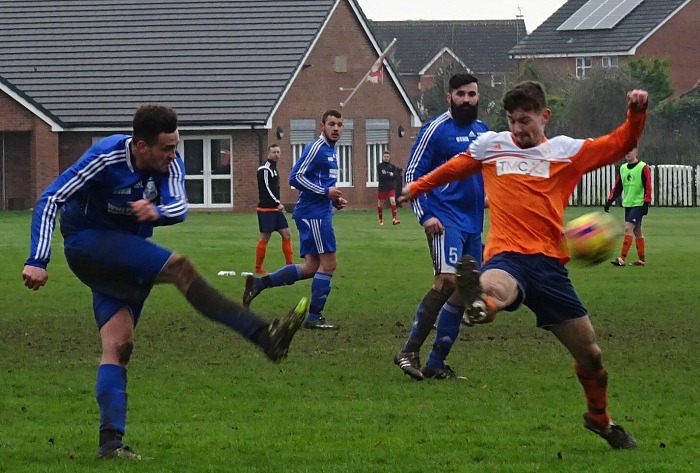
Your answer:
<point x="633" y="181"/>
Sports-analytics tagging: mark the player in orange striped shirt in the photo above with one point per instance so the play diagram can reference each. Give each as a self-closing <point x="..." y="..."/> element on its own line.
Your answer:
<point x="528" y="180"/>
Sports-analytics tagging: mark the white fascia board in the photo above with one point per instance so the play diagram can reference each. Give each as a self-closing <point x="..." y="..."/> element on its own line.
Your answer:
<point x="35" y="111"/>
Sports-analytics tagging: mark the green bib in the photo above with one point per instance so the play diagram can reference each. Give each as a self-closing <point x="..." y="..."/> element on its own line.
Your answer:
<point x="632" y="187"/>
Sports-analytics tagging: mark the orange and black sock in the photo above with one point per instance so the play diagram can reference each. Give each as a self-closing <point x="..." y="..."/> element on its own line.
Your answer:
<point x="595" y="387"/>
<point x="641" y="248"/>
<point x="287" y="250"/>
<point x="393" y="211"/>
<point x="380" y="213"/>
<point x="626" y="244"/>
<point x="260" y="253"/>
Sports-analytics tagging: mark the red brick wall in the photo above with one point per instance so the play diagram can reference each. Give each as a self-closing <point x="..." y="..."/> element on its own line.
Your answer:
<point x="16" y="148"/>
<point x="675" y="40"/>
<point x="39" y="165"/>
<point x="71" y="147"/>
<point x="245" y="162"/>
<point x="316" y="89"/>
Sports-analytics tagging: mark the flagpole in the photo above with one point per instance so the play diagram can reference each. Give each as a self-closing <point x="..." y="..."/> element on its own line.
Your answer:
<point x="364" y="78"/>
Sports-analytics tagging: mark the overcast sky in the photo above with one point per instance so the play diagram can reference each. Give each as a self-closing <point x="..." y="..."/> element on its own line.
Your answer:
<point x="534" y="11"/>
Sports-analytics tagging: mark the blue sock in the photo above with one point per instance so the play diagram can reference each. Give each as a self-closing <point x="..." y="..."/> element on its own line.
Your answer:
<point x="285" y="276"/>
<point x="110" y="392"/>
<point x="446" y="334"/>
<point x="320" y="288"/>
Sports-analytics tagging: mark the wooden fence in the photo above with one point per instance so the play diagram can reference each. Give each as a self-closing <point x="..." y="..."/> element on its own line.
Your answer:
<point x="673" y="186"/>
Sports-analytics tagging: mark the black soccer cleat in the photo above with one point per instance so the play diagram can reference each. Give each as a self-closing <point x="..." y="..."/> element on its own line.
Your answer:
<point x="614" y="434"/>
<point x="409" y="362"/>
<point x="281" y="332"/>
<point x="469" y="287"/>
<point x="445" y="372"/>
<point x="319" y="324"/>
<point x="117" y="451"/>
<point x="250" y="290"/>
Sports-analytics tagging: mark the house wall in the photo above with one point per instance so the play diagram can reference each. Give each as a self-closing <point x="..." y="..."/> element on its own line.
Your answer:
<point x="316" y="89"/>
<point x="565" y="67"/>
<point x="32" y="156"/>
<point x="675" y="40"/>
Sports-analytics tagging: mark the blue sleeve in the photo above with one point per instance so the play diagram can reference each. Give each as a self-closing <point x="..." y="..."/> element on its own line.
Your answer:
<point x="79" y="177"/>
<point x="173" y="206"/>
<point x="419" y="164"/>
<point x="303" y="170"/>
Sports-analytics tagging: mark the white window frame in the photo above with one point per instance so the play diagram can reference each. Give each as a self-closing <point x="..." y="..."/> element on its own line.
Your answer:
<point x="207" y="176"/>
<point x="377" y="137"/>
<point x="583" y="63"/>
<point x="343" y="152"/>
<point x="498" y="80"/>
<point x="609" y="62"/>
<point x="344" y="155"/>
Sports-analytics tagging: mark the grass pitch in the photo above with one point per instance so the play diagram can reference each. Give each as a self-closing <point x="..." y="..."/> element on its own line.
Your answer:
<point x="201" y="399"/>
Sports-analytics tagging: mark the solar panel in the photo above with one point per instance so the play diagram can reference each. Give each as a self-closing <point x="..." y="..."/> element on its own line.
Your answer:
<point x="599" y="14"/>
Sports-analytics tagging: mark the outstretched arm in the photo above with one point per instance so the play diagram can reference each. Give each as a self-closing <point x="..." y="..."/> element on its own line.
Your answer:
<point x="461" y="166"/>
<point x="609" y="148"/>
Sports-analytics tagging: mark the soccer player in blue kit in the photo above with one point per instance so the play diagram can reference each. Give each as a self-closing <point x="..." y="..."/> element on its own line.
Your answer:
<point x="453" y="219"/>
<point x="111" y="199"/>
<point x="314" y="174"/>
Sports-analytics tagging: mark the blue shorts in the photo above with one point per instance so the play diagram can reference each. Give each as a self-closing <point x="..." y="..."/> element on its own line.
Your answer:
<point x="269" y="222"/>
<point x="634" y="215"/>
<point x="544" y="286"/>
<point x="316" y="235"/>
<point x="120" y="268"/>
<point x="447" y="249"/>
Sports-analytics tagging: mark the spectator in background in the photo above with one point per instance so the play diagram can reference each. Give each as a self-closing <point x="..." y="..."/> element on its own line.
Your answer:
<point x="270" y="210"/>
<point x="386" y="190"/>
<point x="633" y="181"/>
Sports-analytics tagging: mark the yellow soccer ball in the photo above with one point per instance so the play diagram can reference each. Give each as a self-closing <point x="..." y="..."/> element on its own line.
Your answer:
<point x="592" y="237"/>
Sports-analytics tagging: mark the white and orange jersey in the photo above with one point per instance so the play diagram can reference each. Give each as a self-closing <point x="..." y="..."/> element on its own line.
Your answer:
<point x="528" y="189"/>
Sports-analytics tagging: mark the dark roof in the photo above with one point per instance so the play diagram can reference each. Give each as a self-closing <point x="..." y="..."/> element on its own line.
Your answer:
<point x="623" y="37"/>
<point x="693" y="93"/>
<point x="481" y="45"/>
<point x="93" y="62"/>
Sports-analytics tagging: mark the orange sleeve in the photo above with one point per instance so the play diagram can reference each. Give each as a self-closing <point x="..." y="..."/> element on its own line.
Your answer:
<point x="612" y="147"/>
<point x="457" y="168"/>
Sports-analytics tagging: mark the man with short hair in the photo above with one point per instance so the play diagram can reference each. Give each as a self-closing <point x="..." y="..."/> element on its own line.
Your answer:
<point x="315" y="174"/>
<point x="453" y="219"/>
<point x="386" y="180"/>
<point x="112" y="197"/>
<point x="633" y="181"/>
<point x="270" y="210"/>
<point x="529" y="179"/>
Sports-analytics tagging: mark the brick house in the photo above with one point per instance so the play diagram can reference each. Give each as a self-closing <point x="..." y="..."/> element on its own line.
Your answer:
<point x="241" y="76"/>
<point x="587" y="34"/>
<point x="423" y="47"/>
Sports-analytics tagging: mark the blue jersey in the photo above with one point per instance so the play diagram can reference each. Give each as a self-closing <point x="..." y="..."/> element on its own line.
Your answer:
<point x="94" y="193"/>
<point x="313" y="174"/>
<point x="460" y="203"/>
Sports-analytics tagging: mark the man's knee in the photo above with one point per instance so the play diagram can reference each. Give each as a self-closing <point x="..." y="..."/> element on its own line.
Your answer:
<point x="180" y="271"/>
<point x="445" y="284"/>
<point x="124" y="352"/>
<point x="500" y="286"/>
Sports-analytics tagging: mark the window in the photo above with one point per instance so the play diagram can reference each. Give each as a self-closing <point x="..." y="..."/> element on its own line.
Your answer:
<point x="208" y="179"/>
<point x="343" y="150"/>
<point x="498" y="80"/>
<point x="301" y="133"/>
<point x="582" y="65"/>
<point x="609" y="62"/>
<point x="377" y="142"/>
